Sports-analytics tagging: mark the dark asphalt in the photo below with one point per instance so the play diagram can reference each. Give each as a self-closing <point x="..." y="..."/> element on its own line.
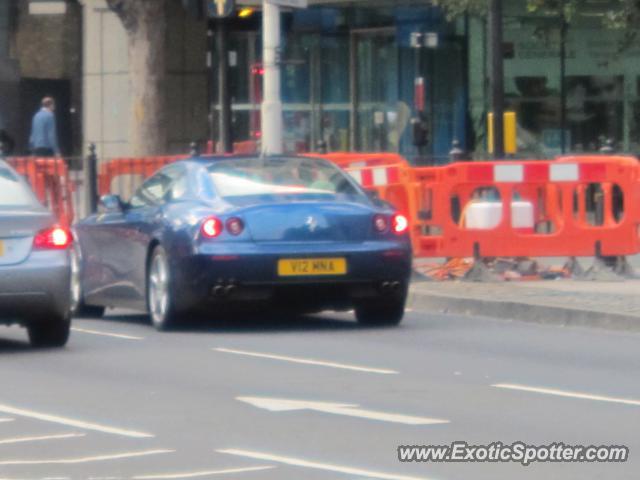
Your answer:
<point x="177" y="388"/>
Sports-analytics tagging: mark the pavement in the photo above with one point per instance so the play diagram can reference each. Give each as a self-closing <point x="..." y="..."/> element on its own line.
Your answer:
<point x="314" y="397"/>
<point x="611" y="302"/>
<point x="607" y="305"/>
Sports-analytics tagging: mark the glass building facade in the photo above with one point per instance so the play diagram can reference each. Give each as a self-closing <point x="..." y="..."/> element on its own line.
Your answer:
<point x="348" y="80"/>
<point x="349" y="75"/>
<point x="573" y="87"/>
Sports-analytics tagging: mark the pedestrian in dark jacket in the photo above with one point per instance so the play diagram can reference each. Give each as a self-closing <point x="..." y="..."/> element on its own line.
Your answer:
<point x="44" y="135"/>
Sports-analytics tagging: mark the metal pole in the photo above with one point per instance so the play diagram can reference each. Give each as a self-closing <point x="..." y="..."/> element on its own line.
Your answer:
<point x="272" y="103"/>
<point x="212" y="94"/>
<point x="224" y="95"/>
<point x="563" y="86"/>
<point x="91" y="180"/>
<point x="497" y="76"/>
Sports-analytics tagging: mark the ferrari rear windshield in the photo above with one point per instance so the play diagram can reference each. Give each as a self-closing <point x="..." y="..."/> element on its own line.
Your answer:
<point x="247" y="177"/>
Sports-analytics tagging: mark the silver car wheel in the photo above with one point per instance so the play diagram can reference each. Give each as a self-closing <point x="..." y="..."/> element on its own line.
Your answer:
<point x="75" y="284"/>
<point x="159" y="289"/>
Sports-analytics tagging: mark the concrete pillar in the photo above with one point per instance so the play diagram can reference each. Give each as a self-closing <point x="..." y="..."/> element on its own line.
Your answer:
<point x="272" y="103"/>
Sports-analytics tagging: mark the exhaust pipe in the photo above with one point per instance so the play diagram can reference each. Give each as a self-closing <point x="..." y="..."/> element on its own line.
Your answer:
<point x="390" y="287"/>
<point x="218" y="291"/>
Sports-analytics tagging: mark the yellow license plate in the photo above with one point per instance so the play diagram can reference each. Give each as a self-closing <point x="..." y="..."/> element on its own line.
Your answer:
<point x="1" y="248"/>
<point x="306" y="267"/>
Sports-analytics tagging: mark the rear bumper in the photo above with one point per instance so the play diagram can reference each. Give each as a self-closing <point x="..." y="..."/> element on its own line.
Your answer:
<point x="35" y="288"/>
<point x="250" y="274"/>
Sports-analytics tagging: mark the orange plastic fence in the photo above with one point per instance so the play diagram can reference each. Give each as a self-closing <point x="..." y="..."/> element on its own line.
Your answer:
<point x="143" y="167"/>
<point x="49" y="178"/>
<point x="239" y="148"/>
<point x="561" y="193"/>
<point x="350" y="159"/>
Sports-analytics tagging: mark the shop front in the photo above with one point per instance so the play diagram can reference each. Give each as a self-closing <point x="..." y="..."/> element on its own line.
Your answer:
<point x="349" y="81"/>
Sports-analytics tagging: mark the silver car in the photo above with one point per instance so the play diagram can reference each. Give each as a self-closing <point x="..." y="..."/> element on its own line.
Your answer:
<point x="35" y="264"/>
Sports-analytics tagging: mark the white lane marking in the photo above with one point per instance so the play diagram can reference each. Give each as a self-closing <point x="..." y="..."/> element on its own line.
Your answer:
<point x="307" y="361"/>
<point x="298" y="462"/>
<point x="227" y="471"/>
<point x="71" y="422"/>
<point x="563" y="393"/>
<point x="285" y="405"/>
<point x="7" y="420"/>
<point x="106" y="334"/>
<point x="43" y="478"/>
<point x="63" y="436"/>
<point x="97" y="458"/>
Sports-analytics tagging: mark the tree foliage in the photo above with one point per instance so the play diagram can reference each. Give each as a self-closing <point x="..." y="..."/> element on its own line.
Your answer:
<point x="616" y="14"/>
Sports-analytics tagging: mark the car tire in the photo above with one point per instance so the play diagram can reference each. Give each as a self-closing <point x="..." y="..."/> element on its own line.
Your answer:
<point x="160" y="301"/>
<point x="50" y="332"/>
<point x="385" y="311"/>
<point x="79" y="309"/>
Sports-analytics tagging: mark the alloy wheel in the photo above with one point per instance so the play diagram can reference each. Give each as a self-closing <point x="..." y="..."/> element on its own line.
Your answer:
<point x="159" y="289"/>
<point x="75" y="283"/>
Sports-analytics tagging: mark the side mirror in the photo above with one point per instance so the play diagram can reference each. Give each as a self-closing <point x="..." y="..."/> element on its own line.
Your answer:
<point x="112" y="204"/>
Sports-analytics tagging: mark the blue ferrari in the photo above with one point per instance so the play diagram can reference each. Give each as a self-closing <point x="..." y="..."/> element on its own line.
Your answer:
<point x="221" y="234"/>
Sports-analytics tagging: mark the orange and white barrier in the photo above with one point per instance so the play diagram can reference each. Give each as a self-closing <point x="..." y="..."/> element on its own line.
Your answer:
<point x="49" y="179"/>
<point x="376" y="176"/>
<point x="536" y="172"/>
<point x="560" y="193"/>
<point x="124" y="175"/>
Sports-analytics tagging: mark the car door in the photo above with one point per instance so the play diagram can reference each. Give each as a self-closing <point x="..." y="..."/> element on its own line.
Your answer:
<point x="127" y="236"/>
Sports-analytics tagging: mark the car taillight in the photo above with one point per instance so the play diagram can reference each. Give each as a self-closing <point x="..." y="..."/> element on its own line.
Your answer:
<point x="211" y="227"/>
<point x="381" y="223"/>
<point x="400" y="224"/>
<point x="235" y="226"/>
<point x="55" y="238"/>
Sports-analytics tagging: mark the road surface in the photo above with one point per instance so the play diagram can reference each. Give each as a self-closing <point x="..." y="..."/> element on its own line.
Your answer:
<point x="312" y="398"/>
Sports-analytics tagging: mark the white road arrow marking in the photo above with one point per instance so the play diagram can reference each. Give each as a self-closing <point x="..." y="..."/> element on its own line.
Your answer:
<point x="350" y="410"/>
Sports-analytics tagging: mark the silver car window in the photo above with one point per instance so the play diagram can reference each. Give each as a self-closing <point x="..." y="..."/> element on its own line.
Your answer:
<point x="13" y="191"/>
